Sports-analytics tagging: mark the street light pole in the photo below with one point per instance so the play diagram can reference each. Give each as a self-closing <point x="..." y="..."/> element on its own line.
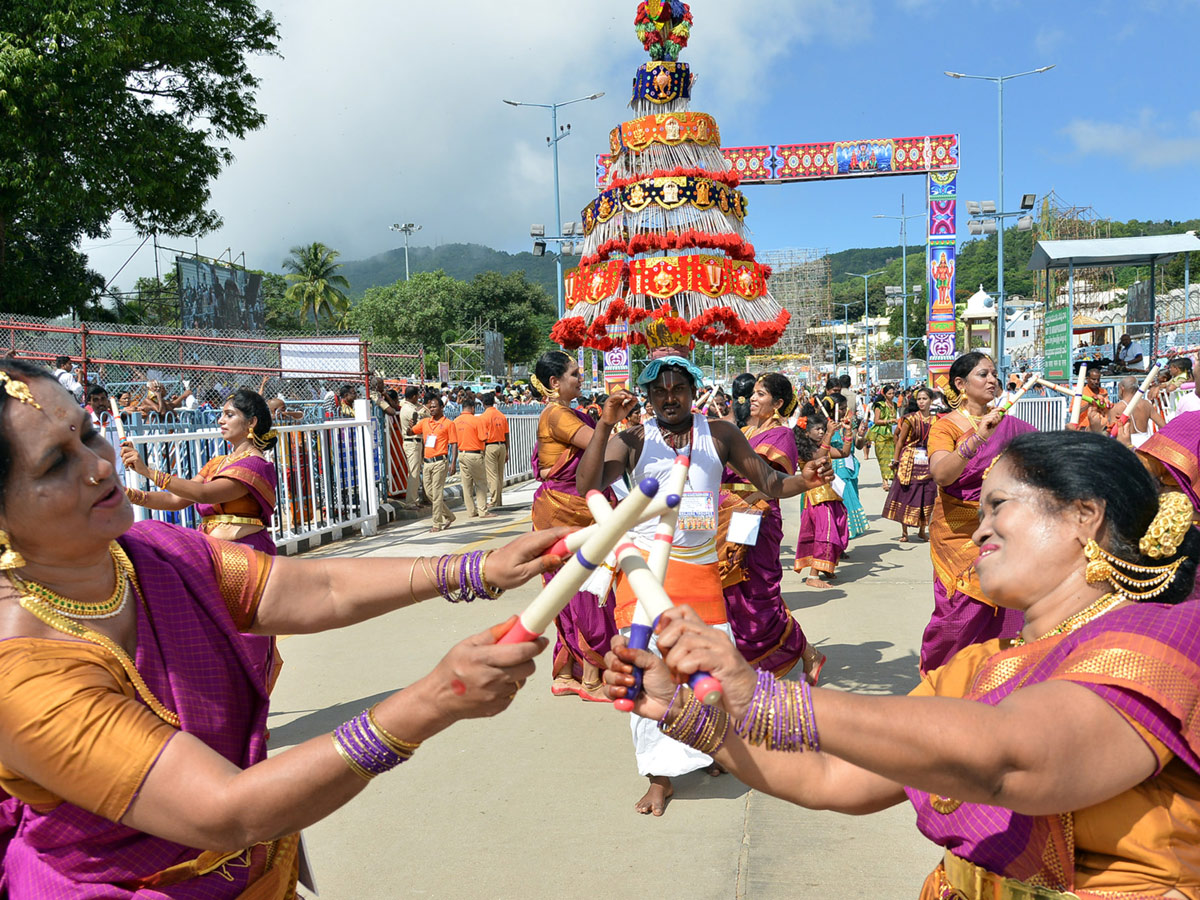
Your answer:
<point x="552" y="142"/>
<point x="999" y="80"/>
<point x="866" y="316"/>
<point x="903" y="277"/>
<point x="846" y="322"/>
<point x="408" y="228"/>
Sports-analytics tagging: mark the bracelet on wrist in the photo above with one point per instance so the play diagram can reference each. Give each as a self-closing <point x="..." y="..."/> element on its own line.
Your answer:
<point x="367" y="748"/>
<point x="780" y="716"/>
<point x="701" y="727"/>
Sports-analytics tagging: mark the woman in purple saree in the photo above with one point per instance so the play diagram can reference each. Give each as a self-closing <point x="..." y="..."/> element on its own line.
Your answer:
<point x="962" y="445"/>
<point x="136" y="665"/>
<point x="234" y="494"/>
<point x="1062" y="763"/>
<point x="764" y="629"/>
<point x="586" y="626"/>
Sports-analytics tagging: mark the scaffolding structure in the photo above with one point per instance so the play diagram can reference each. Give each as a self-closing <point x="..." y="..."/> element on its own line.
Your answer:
<point x="1063" y="221"/>
<point x="802" y="283"/>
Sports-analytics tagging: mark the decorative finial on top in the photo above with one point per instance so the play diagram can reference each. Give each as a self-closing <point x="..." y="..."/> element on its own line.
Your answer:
<point x="663" y="27"/>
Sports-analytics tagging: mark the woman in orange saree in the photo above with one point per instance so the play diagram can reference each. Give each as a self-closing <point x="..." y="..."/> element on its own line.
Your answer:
<point x="1062" y="763"/>
<point x="587" y="624"/>
<point x="136" y="666"/>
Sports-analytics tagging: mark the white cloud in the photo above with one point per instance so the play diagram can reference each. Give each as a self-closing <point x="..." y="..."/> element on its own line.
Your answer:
<point x="380" y="113"/>
<point x="1144" y="144"/>
<point x="1048" y="39"/>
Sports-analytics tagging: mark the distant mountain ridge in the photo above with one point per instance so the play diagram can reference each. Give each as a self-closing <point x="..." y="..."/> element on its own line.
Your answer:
<point x="461" y="261"/>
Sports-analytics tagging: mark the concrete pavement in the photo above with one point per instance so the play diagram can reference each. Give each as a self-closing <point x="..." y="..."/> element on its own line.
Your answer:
<point x="538" y="802"/>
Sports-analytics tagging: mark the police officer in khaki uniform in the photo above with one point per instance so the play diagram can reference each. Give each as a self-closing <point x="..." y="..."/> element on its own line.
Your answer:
<point x="412" y="412"/>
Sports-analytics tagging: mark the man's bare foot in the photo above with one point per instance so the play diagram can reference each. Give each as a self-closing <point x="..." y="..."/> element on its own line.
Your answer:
<point x="903" y="539"/>
<point x="818" y="582"/>
<point x="715" y="769"/>
<point x="654" y="801"/>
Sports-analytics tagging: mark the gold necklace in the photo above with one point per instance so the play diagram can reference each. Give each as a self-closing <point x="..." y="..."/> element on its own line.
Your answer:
<point x="80" y="609"/>
<point x="59" y="622"/>
<point x="1077" y="620"/>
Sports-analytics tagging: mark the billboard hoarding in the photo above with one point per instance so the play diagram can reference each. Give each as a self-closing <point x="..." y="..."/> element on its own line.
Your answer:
<point x="212" y="295"/>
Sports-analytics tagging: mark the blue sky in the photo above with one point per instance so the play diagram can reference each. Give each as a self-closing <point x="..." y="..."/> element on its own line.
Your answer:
<point x="381" y="114"/>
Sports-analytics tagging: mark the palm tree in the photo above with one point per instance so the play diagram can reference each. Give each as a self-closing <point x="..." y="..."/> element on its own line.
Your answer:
<point x="315" y="285"/>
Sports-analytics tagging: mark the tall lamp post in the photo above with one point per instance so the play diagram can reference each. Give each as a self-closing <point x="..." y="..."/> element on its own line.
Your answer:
<point x="999" y="81"/>
<point x="903" y="275"/>
<point x="845" y="321"/>
<point x="866" y="316"/>
<point x="409" y="229"/>
<point x="556" y="135"/>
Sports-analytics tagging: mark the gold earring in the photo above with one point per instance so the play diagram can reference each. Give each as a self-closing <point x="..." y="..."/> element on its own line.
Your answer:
<point x="9" y="557"/>
<point x="1098" y="568"/>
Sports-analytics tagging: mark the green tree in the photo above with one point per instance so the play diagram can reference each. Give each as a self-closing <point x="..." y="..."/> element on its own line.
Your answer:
<point x="283" y="313"/>
<point x="315" y="285"/>
<point x="114" y="108"/>
<point x="515" y="306"/>
<point x="423" y="310"/>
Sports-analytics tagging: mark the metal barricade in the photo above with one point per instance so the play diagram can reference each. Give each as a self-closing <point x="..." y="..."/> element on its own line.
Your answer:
<point x="1043" y="413"/>
<point x="325" y="475"/>
<point x="522" y="435"/>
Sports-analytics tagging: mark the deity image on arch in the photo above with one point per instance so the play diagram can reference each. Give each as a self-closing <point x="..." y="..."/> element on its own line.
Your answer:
<point x="943" y="278"/>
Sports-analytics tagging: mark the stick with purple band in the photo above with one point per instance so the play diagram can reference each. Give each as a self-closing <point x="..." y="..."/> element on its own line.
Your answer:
<point x="564" y="547"/>
<point x="643" y="622"/>
<point x="562" y="587"/>
<point x="653" y="599"/>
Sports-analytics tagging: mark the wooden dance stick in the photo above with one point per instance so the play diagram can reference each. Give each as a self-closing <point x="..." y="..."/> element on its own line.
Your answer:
<point x="1012" y="401"/>
<point x="1077" y="396"/>
<point x="116" y="414"/>
<point x="566" y="546"/>
<point x="570" y="578"/>
<point x="1066" y="392"/>
<point x="644" y="615"/>
<point x="653" y="598"/>
<point x="1141" y="392"/>
<point x="701" y="404"/>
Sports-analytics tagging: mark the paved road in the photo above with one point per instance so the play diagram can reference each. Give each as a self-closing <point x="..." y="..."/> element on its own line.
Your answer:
<point x="538" y="802"/>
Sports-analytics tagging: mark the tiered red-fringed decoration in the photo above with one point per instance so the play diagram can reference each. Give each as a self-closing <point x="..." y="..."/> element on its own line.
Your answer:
<point x="665" y="242"/>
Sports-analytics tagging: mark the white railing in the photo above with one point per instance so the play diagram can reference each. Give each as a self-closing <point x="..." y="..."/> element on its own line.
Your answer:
<point x="325" y="476"/>
<point x="1043" y="413"/>
<point x="522" y="435"/>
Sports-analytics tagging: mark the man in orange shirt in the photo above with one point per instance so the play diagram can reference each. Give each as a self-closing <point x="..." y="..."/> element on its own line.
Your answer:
<point x="495" y="454"/>
<point x="1093" y="415"/>
<point x="472" y="438"/>
<point x="440" y="438"/>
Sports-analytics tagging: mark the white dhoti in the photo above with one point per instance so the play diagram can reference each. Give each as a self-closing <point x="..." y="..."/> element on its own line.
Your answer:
<point x="656" y="753"/>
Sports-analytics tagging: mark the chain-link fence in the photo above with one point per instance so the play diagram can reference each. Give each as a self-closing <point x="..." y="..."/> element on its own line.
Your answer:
<point x="208" y="364"/>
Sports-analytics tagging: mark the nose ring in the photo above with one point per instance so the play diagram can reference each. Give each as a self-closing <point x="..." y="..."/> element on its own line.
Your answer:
<point x="93" y="480"/>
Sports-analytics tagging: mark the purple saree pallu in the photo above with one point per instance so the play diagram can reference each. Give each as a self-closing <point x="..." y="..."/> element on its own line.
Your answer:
<point x="961" y="615"/>
<point x="1144" y="661"/>
<point x="765" y="631"/>
<point x="196" y="662"/>
<point x="585" y="627"/>
<point x="258" y="476"/>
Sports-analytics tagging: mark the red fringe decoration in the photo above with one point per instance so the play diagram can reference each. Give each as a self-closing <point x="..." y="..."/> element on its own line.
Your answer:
<point x="729" y="244"/>
<point x="716" y="326"/>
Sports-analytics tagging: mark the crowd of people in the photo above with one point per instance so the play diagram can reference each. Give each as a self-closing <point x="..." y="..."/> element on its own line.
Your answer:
<point x="1051" y="748"/>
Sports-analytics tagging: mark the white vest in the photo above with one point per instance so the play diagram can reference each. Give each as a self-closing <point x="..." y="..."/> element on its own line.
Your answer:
<point x="704" y="476"/>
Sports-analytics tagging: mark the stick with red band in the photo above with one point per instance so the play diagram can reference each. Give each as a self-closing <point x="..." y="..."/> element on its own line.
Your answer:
<point x="564" y="547"/>
<point x="567" y="581"/>
<point x="1141" y="392"/>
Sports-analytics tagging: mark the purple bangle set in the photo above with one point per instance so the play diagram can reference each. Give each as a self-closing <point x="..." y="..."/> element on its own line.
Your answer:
<point x="780" y="716"/>
<point x="701" y="727"/>
<point x="367" y="751"/>
<point x="969" y="446"/>
<point x="472" y="585"/>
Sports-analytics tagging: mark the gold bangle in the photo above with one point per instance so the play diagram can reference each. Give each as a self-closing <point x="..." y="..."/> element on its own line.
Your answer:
<point x="403" y="748"/>
<point x="428" y="570"/>
<point x="493" y="593"/>
<point x="412" y="570"/>
<point x="354" y="766"/>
